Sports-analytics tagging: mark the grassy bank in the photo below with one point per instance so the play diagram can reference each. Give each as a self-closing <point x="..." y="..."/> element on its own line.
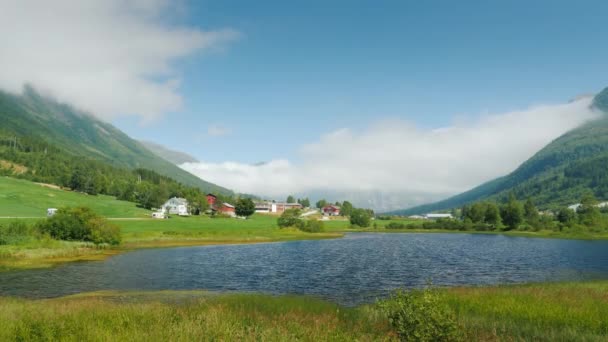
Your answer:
<point x="151" y="233"/>
<point x="539" y="312"/>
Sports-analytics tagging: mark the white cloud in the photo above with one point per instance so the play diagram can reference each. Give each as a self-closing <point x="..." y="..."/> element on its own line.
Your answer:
<point x="408" y="164"/>
<point x="110" y="57"/>
<point x="217" y="130"/>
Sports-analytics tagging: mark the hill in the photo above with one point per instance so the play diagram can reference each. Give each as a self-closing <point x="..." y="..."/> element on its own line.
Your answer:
<point x="557" y="175"/>
<point x="172" y="156"/>
<point x="21" y="198"/>
<point x="81" y="134"/>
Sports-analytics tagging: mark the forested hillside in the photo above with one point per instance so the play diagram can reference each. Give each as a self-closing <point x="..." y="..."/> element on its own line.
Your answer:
<point x="559" y="174"/>
<point x="32" y="119"/>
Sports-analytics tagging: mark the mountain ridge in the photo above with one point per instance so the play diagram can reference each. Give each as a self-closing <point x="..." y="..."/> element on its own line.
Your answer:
<point x="552" y="176"/>
<point x="82" y="134"/>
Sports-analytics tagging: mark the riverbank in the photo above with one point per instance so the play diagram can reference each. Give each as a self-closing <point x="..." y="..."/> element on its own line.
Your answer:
<point x="541" y="312"/>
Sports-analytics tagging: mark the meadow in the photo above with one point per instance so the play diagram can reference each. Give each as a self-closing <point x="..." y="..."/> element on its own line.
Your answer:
<point x="538" y="312"/>
<point x="22" y="198"/>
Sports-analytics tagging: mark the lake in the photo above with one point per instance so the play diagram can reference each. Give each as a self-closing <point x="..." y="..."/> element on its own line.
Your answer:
<point x="356" y="269"/>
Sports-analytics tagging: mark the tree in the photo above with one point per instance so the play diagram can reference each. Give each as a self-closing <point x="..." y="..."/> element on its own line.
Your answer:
<point x="360" y="217"/>
<point x="291" y="199"/>
<point x="492" y="215"/>
<point x="588" y="212"/>
<point x="346" y="209"/>
<point x="531" y="213"/>
<point x="305" y="203"/>
<point x="321" y="203"/>
<point x="477" y="212"/>
<point x="290" y="218"/>
<point x="566" y="216"/>
<point x="512" y="213"/>
<point x="244" y="207"/>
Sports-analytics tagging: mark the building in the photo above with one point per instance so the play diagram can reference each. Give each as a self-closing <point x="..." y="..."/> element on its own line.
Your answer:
<point x="262" y="207"/>
<point x="279" y="208"/>
<point x="227" y="209"/>
<point x="211" y="199"/>
<point x="51" y="211"/>
<point x="416" y="217"/>
<point x="176" y="206"/>
<point x="438" y="216"/>
<point x="331" y="210"/>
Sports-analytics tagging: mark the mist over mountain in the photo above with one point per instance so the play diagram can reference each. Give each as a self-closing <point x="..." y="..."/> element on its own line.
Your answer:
<point x="557" y="175"/>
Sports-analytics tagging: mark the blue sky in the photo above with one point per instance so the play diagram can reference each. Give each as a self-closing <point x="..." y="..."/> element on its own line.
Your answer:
<point x="304" y="68"/>
<point x="387" y="103"/>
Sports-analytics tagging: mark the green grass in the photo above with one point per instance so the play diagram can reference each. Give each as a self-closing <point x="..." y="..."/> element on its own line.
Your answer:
<point x="188" y="316"/>
<point x="21" y="198"/>
<point x="534" y="312"/>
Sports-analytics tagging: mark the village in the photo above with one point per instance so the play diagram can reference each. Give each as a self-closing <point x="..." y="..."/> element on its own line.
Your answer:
<point x="180" y="207"/>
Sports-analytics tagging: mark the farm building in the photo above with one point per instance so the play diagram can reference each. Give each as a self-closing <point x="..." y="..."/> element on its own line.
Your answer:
<point x="176" y="206"/>
<point x="159" y="215"/>
<point x="437" y="216"/>
<point x="331" y="210"/>
<point x="226" y="209"/>
<point x="262" y="207"/>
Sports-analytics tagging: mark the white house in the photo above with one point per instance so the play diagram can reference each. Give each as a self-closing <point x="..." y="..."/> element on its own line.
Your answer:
<point x="51" y="211"/>
<point x="176" y="206"/>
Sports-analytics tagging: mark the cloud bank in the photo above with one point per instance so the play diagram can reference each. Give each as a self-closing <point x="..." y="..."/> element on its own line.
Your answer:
<point x="110" y="57"/>
<point x="408" y="164"/>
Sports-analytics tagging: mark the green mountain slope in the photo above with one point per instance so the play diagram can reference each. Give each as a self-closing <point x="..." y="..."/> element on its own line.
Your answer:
<point x="557" y="175"/>
<point x="78" y="133"/>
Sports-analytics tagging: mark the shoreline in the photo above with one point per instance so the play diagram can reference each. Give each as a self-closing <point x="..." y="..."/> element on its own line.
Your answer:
<point x="80" y="254"/>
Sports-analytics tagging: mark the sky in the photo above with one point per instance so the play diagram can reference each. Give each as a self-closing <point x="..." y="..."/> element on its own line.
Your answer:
<point x="342" y="96"/>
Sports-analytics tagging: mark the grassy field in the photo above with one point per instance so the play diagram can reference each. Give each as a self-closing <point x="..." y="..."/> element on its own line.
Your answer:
<point x="21" y="198"/>
<point x="536" y="312"/>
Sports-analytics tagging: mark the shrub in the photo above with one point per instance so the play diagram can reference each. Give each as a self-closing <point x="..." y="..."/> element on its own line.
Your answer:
<point x="312" y="226"/>
<point x="395" y="225"/>
<point x="80" y="224"/>
<point x="360" y="218"/>
<point x="420" y="316"/>
<point x="290" y="218"/>
<point x="15" y="233"/>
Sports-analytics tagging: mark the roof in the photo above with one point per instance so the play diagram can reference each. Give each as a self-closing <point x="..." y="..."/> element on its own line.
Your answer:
<point x="331" y="206"/>
<point x="228" y="205"/>
<point x="212" y="195"/>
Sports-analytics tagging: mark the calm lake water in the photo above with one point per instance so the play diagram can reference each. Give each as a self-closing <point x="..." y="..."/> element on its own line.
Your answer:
<point x="356" y="269"/>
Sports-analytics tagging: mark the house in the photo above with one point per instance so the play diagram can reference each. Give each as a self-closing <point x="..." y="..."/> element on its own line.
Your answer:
<point x="211" y="199"/>
<point x="279" y="208"/>
<point x="438" y="216"/>
<point x="176" y="206"/>
<point x="51" y="211"/>
<point x="416" y="217"/>
<point x="331" y="210"/>
<point x="227" y="209"/>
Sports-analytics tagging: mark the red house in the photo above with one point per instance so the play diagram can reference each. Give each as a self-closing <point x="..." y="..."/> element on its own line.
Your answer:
<point x="331" y="210"/>
<point x="211" y="198"/>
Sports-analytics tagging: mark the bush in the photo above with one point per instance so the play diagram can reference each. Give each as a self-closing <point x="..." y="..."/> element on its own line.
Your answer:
<point x="311" y="226"/>
<point x="80" y="224"/>
<point x="395" y="225"/>
<point x="15" y="233"/>
<point x="290" y="218"/>
<point x="420" y="316"/>
<point x="360" y="218"/>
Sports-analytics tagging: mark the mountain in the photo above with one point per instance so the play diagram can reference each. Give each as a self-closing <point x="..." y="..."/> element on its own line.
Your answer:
<point x="81" y="134"/>
<point x="172" y="156"/>
<point x="559" y="174"/>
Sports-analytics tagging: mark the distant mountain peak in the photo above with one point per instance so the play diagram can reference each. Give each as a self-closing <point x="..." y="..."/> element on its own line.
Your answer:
<point x="600" y="101"/>
<point x="175" y="157"/>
